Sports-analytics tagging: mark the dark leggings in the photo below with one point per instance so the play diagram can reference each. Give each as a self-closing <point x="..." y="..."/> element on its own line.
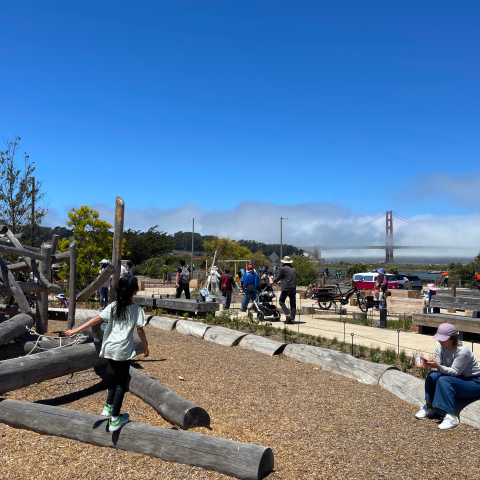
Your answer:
<point x="118" y="386"/>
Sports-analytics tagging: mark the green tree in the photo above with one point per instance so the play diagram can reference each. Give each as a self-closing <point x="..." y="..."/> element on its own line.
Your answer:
<point x="393" y="269"/>
<point x="94" y="242"/>
<point x="143" y="245"/>
<point x="465" y="272"/>
<point x="17" y="191"/>
<point x="305" y="269"/>
<point x="356" y="267"/>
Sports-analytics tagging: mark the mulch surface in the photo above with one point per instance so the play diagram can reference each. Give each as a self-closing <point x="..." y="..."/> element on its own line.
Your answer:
<point x="318" y="424"/>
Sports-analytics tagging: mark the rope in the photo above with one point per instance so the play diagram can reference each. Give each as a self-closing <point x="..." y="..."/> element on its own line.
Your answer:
<point x="78" y="339"/>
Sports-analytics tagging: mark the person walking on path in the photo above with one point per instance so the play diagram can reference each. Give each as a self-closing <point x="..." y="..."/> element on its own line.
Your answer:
<point x="250" y="285"/>
<point x="237" y="282"/>
<point x="104" y="288"/>
<point x="288" y="278"/>
<point x="182" y="280"/>
<point x="226" y="287"/>
<point x="456" y="374"/>
<point x="122" y="317"/>
<point x="445" y="278"/>
<point x="242" y="275"/>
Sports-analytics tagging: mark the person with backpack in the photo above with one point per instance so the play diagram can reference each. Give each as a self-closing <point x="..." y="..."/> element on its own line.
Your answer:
<point x="182" y="280"/>
<point x="118" y="347"/>
<point x="226" y="287"/>
<point x="250" y="283"/>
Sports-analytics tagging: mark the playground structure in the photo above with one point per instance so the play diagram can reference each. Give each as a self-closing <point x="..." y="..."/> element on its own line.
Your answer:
<point x="34" y="358"/>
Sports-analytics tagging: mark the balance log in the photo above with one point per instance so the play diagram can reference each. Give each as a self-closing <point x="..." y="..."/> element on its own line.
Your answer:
<point x="18" y="349"/>
<point x="168" y="404"/>
<point x="97" y="283"/>
<point x="14" y="327"/>
<point x="240" y="460"/>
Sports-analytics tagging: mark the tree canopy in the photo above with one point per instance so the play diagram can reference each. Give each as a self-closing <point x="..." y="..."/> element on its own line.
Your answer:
<point x="94" y="242"/>
<point x="305" y="269"/>
<point x="17" y="189"/>
<point x="141" y="246"/>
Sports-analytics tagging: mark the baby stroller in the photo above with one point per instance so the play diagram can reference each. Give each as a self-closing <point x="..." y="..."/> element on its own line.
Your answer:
<point x="263" y="306"/>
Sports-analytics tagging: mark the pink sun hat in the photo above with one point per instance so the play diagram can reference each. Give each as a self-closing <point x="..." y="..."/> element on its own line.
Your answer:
<point x="445" y="331"/>
<point x="431" y="286"/>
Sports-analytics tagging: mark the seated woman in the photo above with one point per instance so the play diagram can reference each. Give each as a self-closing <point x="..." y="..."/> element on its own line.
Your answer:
<point x="457" y="375"/>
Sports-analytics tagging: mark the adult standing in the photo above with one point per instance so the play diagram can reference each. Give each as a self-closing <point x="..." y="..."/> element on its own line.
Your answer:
<point x="288" y="279"/>
<point x="104" y="288"/>
<point x="226" y="287"/>
<point x="457" y="375"/>
<point x="129" y="268"/>
<point x="250" y="285"/>
<point x="182" y="280"/>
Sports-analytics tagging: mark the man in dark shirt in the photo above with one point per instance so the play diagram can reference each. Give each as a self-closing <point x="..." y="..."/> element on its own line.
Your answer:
<point x="288" y="278"/>
<point x="226" y="285"/>
<point x="182" y="281"/>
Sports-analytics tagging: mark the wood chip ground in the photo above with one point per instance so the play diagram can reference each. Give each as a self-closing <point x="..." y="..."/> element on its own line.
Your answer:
<point x="319" y="425"/>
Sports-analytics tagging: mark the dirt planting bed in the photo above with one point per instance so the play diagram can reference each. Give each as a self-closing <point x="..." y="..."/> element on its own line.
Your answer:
<point x="319" y="425"/>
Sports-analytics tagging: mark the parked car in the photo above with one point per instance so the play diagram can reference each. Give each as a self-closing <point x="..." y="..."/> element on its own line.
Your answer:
<point x="403" y="281"/>
<point x="367" y="280"/>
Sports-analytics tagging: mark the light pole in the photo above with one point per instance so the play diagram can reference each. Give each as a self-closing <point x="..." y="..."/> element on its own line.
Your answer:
<point x="193" y="234"/>
<point x="281" y="239"/>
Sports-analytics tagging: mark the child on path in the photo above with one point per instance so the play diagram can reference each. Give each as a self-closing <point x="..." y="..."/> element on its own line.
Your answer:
<point x="118" y="347"/>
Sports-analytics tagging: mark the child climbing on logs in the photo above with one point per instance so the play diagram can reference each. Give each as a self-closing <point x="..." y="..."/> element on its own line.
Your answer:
<point x="118" y="347"/>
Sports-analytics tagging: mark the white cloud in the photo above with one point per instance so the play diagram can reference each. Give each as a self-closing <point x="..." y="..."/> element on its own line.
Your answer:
<point x="308" y="224"/>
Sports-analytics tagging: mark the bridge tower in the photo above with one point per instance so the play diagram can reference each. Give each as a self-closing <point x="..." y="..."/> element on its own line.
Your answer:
<point x="389" y="237"/>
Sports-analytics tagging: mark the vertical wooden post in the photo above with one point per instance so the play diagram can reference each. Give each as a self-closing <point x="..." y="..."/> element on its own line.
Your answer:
<point x="42" y="298"/>
<point x="72" y="285"/>
<point x="454" y="290"/>
<point x="32" y="228"/>
<point x="117" y="245"/>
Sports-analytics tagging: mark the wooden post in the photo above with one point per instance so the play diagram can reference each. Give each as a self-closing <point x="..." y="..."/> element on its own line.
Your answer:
<point x="410" y="285"/>
<point x="32" y="228"/>
<point x="72" y="285"/>
<point x="117" y="245"/>
<point x="454" y="290"/>
<point x="13" y="288"/>
<point x="163" y="276"/>
<point x="323" y="280"/>
<point x="42" y="298"/>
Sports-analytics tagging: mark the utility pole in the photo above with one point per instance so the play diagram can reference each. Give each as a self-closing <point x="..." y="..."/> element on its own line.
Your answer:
<point x="281" y="239"/>
<point x="193" y="235"/>
<point x="32" y="228"/>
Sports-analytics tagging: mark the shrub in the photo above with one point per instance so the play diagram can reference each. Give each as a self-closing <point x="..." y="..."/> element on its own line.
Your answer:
<point x="334" y="341"/>
<point x="389" y="356"/>
<point x="375" y="354"/>
<point x="403" y="356"/>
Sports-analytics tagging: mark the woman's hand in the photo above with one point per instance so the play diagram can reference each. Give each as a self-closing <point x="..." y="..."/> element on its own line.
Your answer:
<point x="433" y="364"/>
<point x="146" y="352"/>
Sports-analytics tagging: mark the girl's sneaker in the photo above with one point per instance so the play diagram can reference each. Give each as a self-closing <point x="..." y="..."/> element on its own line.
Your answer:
<point x="107" y="411"/>
<point x="449" y="423"/>
<point x="121" y="421"/>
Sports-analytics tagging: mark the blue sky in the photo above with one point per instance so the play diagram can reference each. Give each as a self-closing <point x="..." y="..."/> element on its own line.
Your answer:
<point x="198" y="106"/>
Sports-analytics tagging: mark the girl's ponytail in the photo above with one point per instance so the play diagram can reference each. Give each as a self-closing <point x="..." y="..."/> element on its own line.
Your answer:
<point x="125" y="288"/>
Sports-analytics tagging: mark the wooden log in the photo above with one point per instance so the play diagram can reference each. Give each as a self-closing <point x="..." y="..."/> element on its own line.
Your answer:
<point x="97" y="283"/>
<point x="308" y="310"/>
<point x="353" y="302"/>
<point x="195" y="329"/>
<point x="240" y="460"/>
<point x="30" y="261"/>
<point x="18" y="349"/>
<point x="405" y="293"/>
<point x="21" y="252"/>
<point x="72" y="284"/>
<point x="55" y="239"/>
<point x="451" y="310"/>
<point x="359" y="315"/>
<point x="460" y="303"/>
<point x="163" y="323"/>
<point x="168" y="404"/>
<point x="337" y="362"/>
<point x="59" y="258"/>
<point x="12" y="287"/>
<point x="223" y="336"/>
<point x="30" y="287"/>
<point x="117" y="244"/>
<point x="21" y="372"/>
<point x="14" y="327"/>
<point x="42" y="298"/>
<point x="262" y="345"/>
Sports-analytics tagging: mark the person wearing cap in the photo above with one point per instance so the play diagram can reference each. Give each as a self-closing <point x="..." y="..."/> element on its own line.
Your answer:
<point x="288" y="279"/>
<point x="104" y="288"/>
<point x="456" y="374"/>
<point x="250" y="285"/>
<point x="432" y="290"/>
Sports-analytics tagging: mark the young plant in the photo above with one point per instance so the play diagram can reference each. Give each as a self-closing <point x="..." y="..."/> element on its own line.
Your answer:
<point x="389" y="356"/>
<point x="334" y="341"/>
<point x="362" y="351"/>
<point x="403" y="356"/>
<point x="185" y="315"/>
<point x="375" y="354"/>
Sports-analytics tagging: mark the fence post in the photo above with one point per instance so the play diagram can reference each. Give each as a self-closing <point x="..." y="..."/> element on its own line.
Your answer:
<point x="398" y="337"/>
<point x="352" y="334"/>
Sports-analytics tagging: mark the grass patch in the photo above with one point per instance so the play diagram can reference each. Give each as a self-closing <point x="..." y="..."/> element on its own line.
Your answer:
<point x="389" y="356"/>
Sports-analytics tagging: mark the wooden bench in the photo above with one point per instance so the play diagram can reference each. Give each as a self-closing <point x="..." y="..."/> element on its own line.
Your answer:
<point x="180" y="305"/>
<point x="429" y="322"/>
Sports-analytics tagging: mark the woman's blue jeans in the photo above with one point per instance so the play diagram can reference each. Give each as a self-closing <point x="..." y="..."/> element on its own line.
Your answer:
<point x="441" y="390"/>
